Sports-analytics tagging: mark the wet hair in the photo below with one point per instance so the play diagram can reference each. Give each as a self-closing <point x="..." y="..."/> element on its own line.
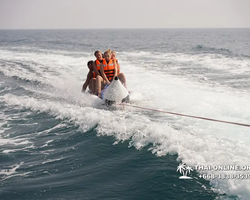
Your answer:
<point x="108" y="51"/>
<point x="90" y="62"/>
<point x="96" y="52"/>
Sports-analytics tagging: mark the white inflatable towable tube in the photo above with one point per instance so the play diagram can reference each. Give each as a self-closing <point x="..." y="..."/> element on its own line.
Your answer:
<point x="115" y="93"/>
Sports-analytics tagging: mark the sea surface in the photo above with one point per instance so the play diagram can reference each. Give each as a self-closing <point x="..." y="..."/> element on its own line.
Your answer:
<point x="58" y="143"/>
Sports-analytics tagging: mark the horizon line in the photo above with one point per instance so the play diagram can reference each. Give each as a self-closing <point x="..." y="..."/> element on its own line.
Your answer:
<point x="118" y="28"/>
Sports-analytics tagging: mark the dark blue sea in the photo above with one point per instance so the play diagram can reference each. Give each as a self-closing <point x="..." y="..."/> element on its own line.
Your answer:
<point x="59" y="143"/>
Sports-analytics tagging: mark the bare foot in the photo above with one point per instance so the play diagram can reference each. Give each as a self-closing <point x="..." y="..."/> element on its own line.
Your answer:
<point x="99" y="94"/>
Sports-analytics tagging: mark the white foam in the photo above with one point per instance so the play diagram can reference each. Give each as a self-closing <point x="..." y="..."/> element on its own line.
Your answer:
<point x="13" y="141"/>
<point x="46" y="68"/>
<point x="197" y="142"/>
<point x="51" y="160"/>
<point x="174" y="61"/>
<point x="10" y="170"/>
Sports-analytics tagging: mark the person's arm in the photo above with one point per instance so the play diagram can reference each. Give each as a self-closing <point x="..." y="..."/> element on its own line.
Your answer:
<point x="115" y="71"/>
<point x="118" y="68"/>
<point x="104" y="75"/>
<point x="95" y="69"/>
<point x="85" y="85"/>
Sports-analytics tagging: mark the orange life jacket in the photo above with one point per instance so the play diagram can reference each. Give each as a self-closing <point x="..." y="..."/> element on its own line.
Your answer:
<point x="109" y="69"/>
<point x="98" y="67"/>
<point x="93" y="74"/>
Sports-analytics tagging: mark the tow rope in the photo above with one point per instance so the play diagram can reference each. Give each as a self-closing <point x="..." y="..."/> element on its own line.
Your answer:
<point x="184" y="115"/>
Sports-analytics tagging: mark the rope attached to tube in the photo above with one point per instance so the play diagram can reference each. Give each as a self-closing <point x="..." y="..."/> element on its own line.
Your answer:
<point x="184" y="115"/>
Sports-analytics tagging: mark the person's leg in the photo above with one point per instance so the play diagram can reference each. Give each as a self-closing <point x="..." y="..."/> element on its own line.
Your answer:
<point x="122" y="78"/>
<point x="92" y="86"/>
<point x="98" y="84"/>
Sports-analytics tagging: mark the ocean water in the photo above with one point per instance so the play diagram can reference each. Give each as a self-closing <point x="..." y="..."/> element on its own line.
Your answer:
<point x="59" y="143"/>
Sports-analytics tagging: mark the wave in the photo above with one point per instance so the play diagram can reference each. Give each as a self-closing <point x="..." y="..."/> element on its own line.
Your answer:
<point x="216" y="50"/>
<point x="212" y="49"/>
